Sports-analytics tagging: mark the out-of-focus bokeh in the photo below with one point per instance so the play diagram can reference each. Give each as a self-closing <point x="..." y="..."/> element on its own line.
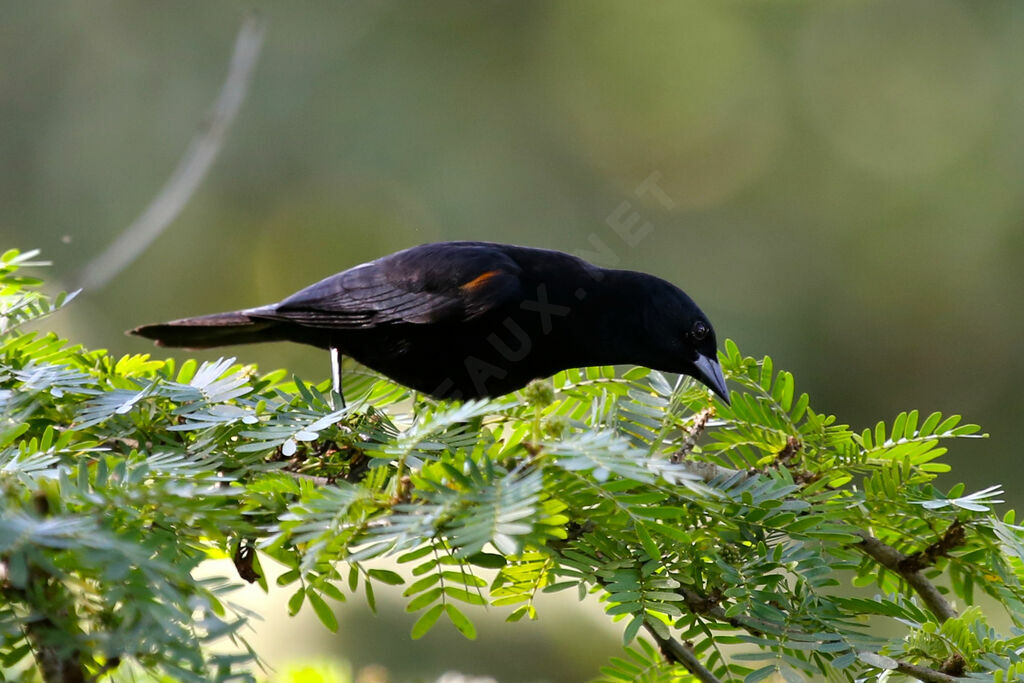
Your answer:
<point x="839" y="185"/>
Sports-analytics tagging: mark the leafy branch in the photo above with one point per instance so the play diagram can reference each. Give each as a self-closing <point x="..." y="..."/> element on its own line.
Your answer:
<point x="727" y="536"/>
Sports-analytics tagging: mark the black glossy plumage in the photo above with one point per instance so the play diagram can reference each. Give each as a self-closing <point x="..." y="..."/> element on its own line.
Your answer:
<point x="473" y="319"/>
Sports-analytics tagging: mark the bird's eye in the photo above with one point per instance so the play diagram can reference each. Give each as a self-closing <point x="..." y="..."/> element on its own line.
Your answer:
<point x="700" y="330"/>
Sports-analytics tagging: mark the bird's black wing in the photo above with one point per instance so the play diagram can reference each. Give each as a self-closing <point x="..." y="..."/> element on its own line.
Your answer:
<point x="428" y="284"/>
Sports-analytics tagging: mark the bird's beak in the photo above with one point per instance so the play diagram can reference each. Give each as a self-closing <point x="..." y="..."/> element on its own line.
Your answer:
<point x="710" y="373"/>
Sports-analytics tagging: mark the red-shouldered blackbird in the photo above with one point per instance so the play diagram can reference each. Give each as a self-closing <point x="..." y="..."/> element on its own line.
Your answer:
<point x="474" y="319"/>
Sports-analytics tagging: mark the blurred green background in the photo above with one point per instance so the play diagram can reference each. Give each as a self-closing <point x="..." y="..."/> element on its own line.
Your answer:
<point x="843" y="189"/>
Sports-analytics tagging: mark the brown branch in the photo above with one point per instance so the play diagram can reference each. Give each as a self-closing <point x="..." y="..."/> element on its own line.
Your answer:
<point x="682" y="653"/>
<point x="923" y="673"/>
<point x="953" y="537"/>
<point x="58" y="661"/>
<point x="57" y="664"/>
<point x="895" y="561"/>
<point x="956" y="665"/>
<point x="949" y="672"/>
<point x="54" y="650"/>
<point x="906" y="566"/>
<point x="699" y="604"/>
<point x="707" y="471"/>
<point x="693" y="433"/>
<point x="710" y="607"/>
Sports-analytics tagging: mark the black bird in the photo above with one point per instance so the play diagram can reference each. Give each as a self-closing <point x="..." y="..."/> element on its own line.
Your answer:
<point x="474" y="319"/>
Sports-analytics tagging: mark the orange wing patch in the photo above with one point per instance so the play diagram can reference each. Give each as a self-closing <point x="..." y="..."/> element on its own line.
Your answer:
<point x="480" y="280"/>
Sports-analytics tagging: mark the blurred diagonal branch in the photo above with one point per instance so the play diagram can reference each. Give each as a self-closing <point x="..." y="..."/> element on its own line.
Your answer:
<point x="197" y="160"/>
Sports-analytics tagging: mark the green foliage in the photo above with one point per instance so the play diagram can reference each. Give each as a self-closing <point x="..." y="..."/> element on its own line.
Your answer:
<point x="733" y="531"/>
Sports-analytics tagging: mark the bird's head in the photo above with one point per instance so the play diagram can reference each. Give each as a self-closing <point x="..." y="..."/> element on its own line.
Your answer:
<point x="702" y="354"/>
<point x="680" y="337"/>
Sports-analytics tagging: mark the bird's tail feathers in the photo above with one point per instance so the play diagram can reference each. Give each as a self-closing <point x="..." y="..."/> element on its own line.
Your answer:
<point x="207" y="331"/>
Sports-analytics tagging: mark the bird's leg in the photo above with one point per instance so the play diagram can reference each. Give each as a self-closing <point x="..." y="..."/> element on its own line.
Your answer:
<point x="336" y="375"/>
